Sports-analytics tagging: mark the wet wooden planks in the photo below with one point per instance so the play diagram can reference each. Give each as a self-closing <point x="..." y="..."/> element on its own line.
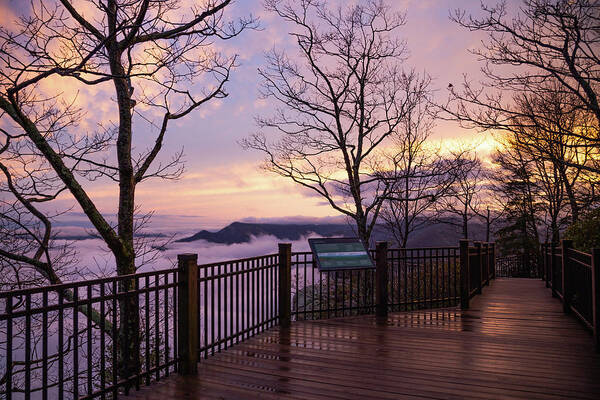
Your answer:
<point x="514" y="343"/>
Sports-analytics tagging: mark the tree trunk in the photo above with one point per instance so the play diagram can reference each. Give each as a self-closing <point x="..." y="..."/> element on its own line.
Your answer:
<point x="570" y="195"/>
<point x="128" y="340"/>
<point x="128" y="330"/>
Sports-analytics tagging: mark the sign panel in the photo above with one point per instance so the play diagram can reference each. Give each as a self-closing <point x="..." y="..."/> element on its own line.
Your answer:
<point x="340" y="253"/>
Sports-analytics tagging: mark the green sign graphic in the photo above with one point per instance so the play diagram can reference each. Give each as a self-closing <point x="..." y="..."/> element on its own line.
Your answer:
<point x="340" y="253"/>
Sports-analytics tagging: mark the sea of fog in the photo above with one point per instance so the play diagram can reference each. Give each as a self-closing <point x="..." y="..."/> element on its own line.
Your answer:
<point x="94" y="259"/>
<point x="93" y="254"/>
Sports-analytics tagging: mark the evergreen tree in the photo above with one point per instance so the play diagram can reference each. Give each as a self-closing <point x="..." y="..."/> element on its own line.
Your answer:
<point x="518" y="232"/>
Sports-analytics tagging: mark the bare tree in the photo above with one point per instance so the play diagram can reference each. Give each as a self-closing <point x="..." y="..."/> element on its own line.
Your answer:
<point x="338" y="101"/>
<point x="466" y="197"/>
<point x="152" y="48"/>
<point x="547" y="41"/>
<point x="544" y="132"/>
<point x="416" y="173"/>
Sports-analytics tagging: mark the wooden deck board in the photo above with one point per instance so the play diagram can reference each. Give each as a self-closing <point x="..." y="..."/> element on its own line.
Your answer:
<point x="514" y="343"/>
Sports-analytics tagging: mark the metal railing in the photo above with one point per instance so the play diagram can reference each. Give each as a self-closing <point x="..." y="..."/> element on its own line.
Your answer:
<point x="237" y="299"/>
<point x="67" y="341"/>
<point x="417" y="278"/>
<point x="104" y="337"/>
<point x="574" y="278"/>
<point x="518" y="266"/>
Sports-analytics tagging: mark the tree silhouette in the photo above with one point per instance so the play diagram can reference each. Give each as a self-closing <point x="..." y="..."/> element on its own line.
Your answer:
<point x="159" y="63"/>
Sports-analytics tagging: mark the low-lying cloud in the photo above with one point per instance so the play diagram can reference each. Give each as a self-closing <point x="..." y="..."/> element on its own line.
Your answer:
<point x="95" y="259"/>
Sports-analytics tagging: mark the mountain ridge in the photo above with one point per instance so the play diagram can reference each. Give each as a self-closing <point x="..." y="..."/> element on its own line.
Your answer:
<point x="243" y="232"/>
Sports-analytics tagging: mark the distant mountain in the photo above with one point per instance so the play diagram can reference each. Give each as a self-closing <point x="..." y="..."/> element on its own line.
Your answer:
<point x="241" y="232"/>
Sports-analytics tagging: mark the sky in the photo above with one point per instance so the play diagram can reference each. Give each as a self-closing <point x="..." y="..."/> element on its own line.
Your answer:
<point x="223" y="182"/>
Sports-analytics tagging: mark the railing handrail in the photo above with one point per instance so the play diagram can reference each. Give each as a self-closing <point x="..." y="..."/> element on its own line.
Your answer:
<point x="237" y="260"/>
<point x="79" y="284"/>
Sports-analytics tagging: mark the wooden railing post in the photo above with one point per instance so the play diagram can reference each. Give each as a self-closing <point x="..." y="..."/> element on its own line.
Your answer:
<point x="465" y="287"/>
<point x="285" y="284"/>
<point x="540" y="263"/>
<point x="381" y="279"/>
<point x="546" y="264"/>
<point x="487" y="263"/>
<point x="596" y="296"/>
<point x="553" y="267"/>
<point x="493" y="260"/>
<point x="566" y="245"/>
<point x="187" y="314"/>
<point x="480" y="261"/>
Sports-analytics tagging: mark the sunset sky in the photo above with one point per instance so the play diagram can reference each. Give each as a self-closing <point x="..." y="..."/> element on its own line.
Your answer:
<point x="222" y="181"/>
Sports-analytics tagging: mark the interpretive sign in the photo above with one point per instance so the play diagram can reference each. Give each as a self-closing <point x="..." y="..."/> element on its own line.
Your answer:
<point x="340" y="253"/>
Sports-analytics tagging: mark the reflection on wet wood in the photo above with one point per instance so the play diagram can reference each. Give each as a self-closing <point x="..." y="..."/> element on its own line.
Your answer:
<point x="514" y="342"/>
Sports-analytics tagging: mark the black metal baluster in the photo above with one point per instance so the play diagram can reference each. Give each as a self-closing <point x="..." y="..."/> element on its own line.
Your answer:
<point x="75" y="343"/>
<point x="205" y="294"/>
<point x="89" y="341"/>
<point x="219" y="317"/>
<point x="391" y="290"/>
<point x="373" y="298"/>
<point x="272" y="263"/>
<point x="296" y="289"/>
<point x="247" y="272"/>
<point x="174" y="320"/>
<point x="239" y="300"/>
<point x="166" y="317"/>
<point x="9" y="346"/>
<point x="437" y="279"/>
<point x="365" y="291"/>
<point x="136" y="339"/>
<point x="156" y="290"/>
<point x="102" y="341"/>
<point x="320" y="292"/>
<point x="312" y="282"/>
<point x="254" y="288"/>
<point x="413" y="280"/>
<point x="430" y="261"/>
<point x="406" y="277"/>
<point x="351" y="294"/>
<point x="343" y="293"/>
<point x="27" y="346"/>
<point x="328" y="294"/>
<point x="259" y="283"/>
<point x="266" y="293"/>
<point x="115" y="382"/>
<point x="250" y="284"/>
<point x="276" y="286"/>
<point x="231" y="327"/>
<point x="265" y="301"/>
<point x="305" y="287"/>
<point x="456" y="266"/>
<point x="225" y="309"/>
<point x="147" y="333"/>
<point x="44" y="346"/>
<point x="419" y="296"/>
<point x="447" y="264"/>
<point x="212" y="309"/>
<point x="263" y="285"/>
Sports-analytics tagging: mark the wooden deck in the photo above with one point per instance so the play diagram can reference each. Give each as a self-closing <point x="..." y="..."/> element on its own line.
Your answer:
<point x="514" y="343"/>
